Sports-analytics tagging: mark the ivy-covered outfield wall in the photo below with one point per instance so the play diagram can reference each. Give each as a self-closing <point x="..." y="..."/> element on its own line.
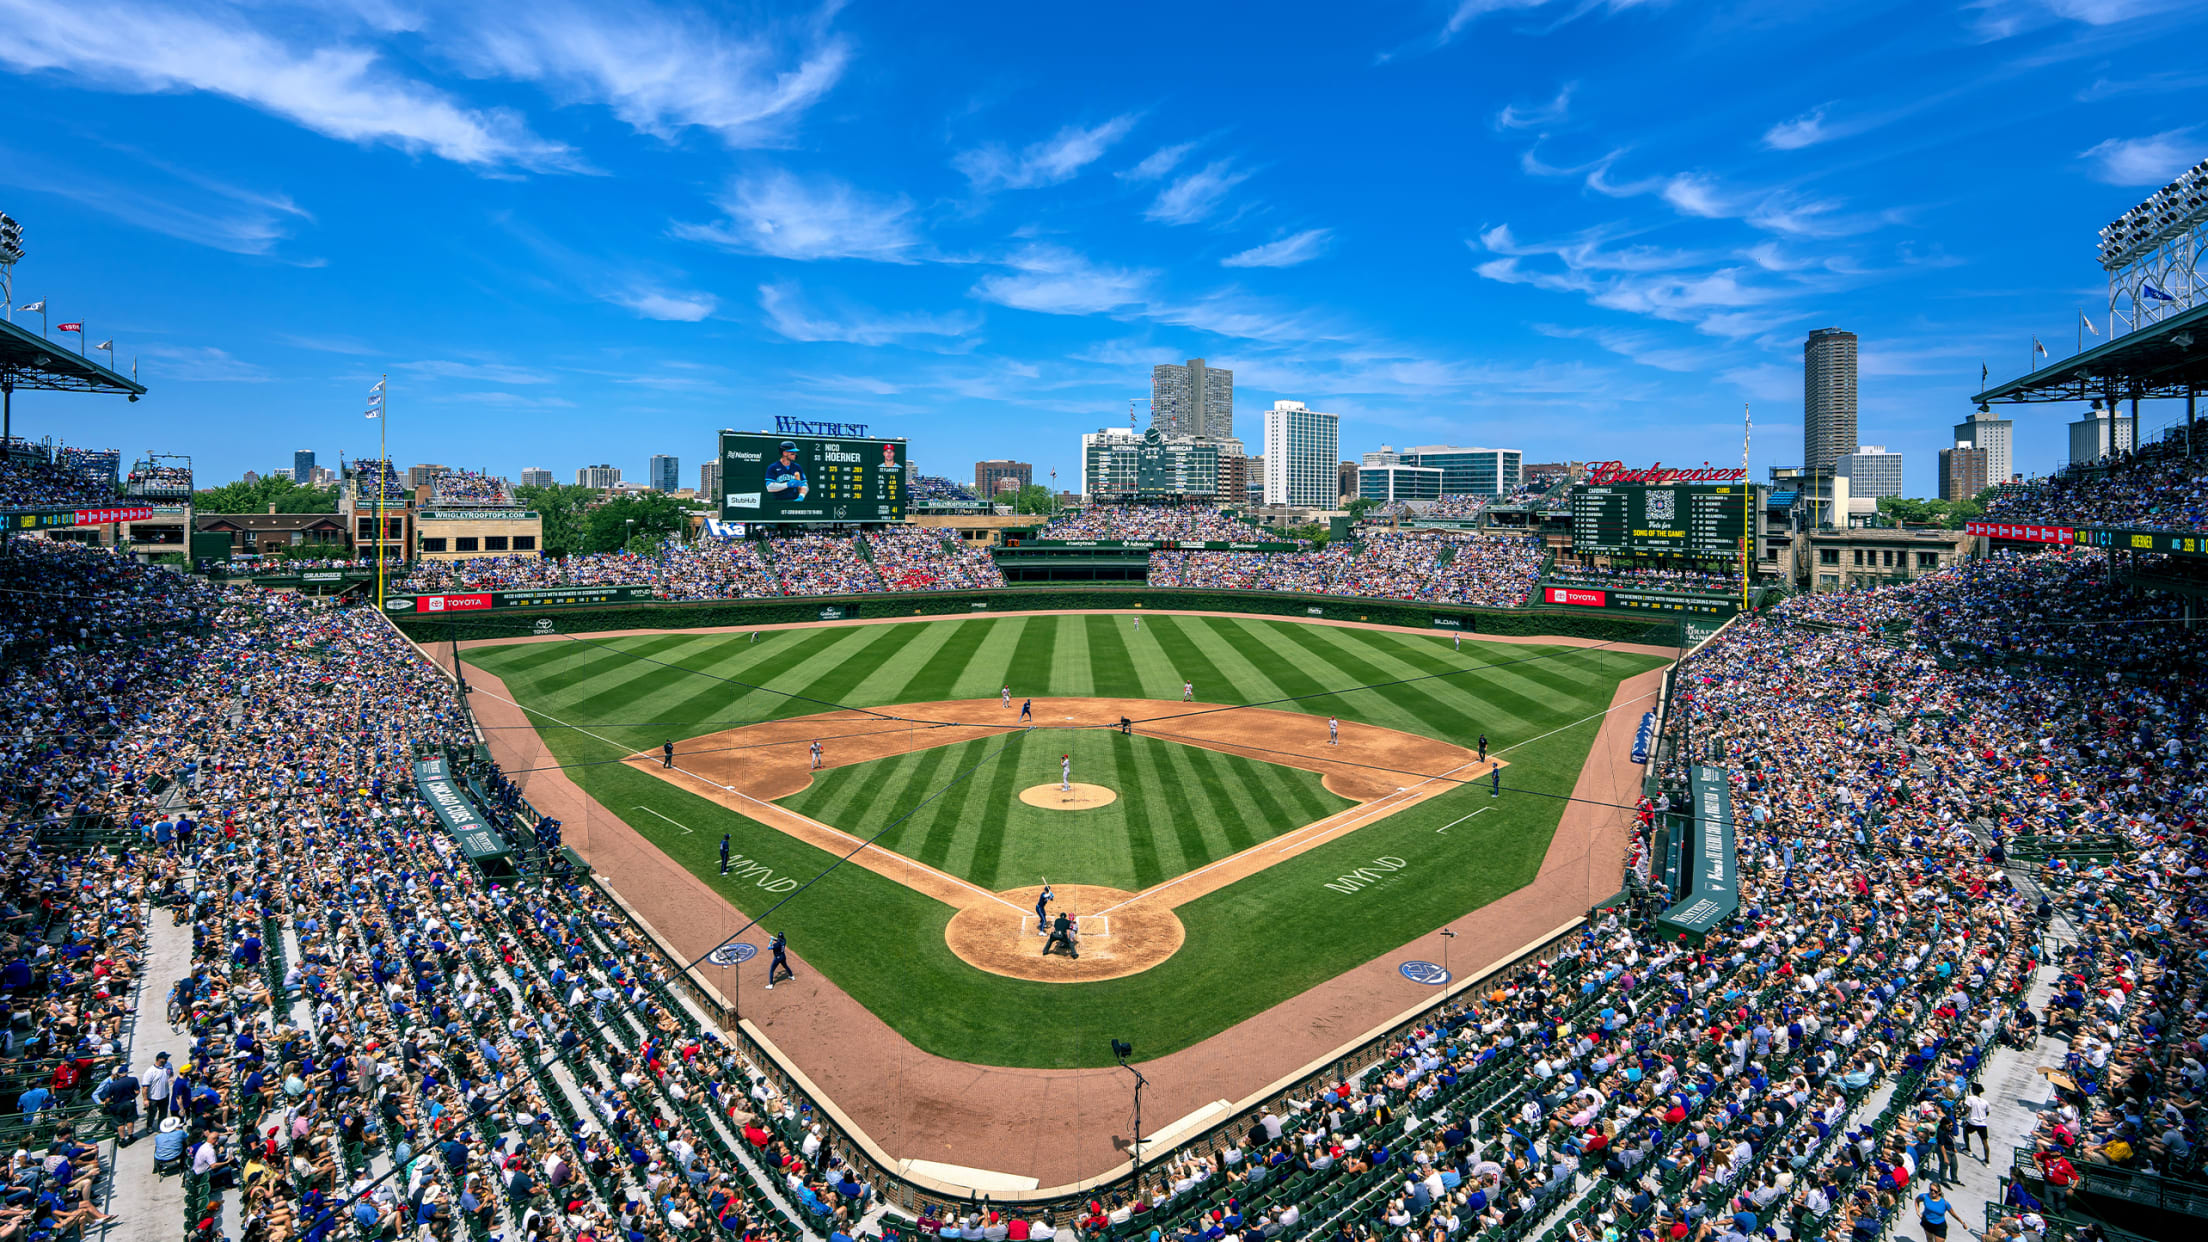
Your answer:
<point x="1515" y="622"/>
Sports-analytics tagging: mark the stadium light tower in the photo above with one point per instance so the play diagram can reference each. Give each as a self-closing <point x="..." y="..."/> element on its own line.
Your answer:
<point x="11" y="253"/>
<point x="2153" y="253"/>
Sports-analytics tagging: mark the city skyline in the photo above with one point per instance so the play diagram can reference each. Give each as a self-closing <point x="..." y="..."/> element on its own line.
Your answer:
<point x="990" y="261"/>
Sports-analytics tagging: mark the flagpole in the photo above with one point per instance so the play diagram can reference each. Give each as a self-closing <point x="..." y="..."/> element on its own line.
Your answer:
<point x="383" y="449"/>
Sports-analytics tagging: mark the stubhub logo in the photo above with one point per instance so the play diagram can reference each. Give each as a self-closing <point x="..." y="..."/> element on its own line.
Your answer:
<point x="742" y="500"/>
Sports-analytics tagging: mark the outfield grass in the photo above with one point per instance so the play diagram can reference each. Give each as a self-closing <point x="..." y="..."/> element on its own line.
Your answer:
<point x="1249" y="946"/>
<point x="1179" y="807"/>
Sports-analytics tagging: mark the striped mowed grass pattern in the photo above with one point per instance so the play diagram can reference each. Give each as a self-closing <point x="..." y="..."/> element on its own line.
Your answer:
<point x="638" y="691"/>
<point x="1460" y="850"/>
<point x="1179" y="807"/>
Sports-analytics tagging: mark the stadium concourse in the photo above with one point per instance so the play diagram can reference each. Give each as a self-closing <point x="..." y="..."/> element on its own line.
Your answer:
<point x="1962" y="865"/>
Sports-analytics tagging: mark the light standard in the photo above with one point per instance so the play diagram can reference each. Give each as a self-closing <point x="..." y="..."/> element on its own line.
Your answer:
<point x="1448" y="981"/>
<point x="628" y="532"/>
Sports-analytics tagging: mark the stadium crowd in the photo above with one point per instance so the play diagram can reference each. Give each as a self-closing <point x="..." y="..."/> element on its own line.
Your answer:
<point x="1450" y="566"/>
<point x="2160" y="487"/>
<point x="31" y="478"/>
<point x="935" y="489"/>
<point x="918" y="558"/>
<point x="470" y="489"/>
<point x="1163" y="522"/>
<point x="152" y="480"/>
<point x="1926" y="777"/>
<point x="1646" y="577"/>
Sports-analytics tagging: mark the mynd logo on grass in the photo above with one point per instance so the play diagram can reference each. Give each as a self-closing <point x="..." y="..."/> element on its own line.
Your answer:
<point x="1380" y="872"/>
<point x="742" y="868"/>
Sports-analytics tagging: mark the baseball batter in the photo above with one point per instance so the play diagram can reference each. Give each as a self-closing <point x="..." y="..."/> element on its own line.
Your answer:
<point x="1042" y="911"/>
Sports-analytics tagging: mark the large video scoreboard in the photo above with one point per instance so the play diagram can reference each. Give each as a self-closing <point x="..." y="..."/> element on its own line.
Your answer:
<point x="1655" y="519"/>
<point x="807" y="478"/>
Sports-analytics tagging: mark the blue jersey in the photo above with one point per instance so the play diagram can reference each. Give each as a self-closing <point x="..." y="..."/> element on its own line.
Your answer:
<point x="791" y="477"/>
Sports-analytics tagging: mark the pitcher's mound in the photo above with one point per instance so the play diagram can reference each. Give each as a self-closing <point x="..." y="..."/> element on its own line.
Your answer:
<point x="1081" y="798"/>
<point x="1120" y="934"/>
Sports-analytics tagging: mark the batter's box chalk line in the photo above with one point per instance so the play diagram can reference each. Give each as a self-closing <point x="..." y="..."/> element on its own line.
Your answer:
<point x="1086" y="924"/>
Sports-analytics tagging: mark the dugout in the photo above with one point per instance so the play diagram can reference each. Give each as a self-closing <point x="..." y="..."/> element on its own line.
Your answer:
<point x="1709" y="864"/>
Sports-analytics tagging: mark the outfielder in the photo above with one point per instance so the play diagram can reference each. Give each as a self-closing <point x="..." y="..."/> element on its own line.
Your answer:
<point x="1065" y="774"/>
<point x="1460" y="640"/>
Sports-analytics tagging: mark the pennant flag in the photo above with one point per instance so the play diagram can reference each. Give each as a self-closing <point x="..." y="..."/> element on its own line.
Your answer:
<point x="378" y="389"/>
<point x="2145" y="286"/>
<point x="2038" y="348"/>
<point x="69" y="327"/>
<point x="38" y="307"/>
<point x="108" y="344"/>
<point x="2087" y="320"/>
<point x="1983" y="373"/>
<point x="375" y="411"/>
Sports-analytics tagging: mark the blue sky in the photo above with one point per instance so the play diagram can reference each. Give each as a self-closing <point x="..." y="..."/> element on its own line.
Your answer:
<point x="575" y="233"/>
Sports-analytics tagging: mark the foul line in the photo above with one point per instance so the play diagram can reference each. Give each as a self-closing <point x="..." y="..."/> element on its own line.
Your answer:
<point x="649" y="811"/>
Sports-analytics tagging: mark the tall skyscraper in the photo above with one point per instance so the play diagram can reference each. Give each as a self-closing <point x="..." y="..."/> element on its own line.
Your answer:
<point x="665" y="474"/>
<point x="1192" y="399"/>
<point x="1871" y="472"/>
<point x="1828" y="398"/>
<point x="709" y="481"/>
<point x="536" y="476"/>
<point x="1302" y="451"/>
<point x="302" y="466"/>
<point x="1993" y="435"/>
<point x="599" y="476"/>
<point x="2099" y="434"/>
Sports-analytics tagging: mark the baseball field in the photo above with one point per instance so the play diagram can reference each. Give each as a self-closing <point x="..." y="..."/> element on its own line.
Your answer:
<point x="1223" y="854"/>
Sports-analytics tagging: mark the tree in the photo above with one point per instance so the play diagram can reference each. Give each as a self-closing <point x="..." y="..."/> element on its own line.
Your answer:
<point x="654" y="515"/>
<point x="560" y="505"/>
<point x="1034" y="498"/>
<point x="1946" y="514"/>
<point x="1359" y="507"/>
<point x="256" y="497"/>
<point x="1317" y="533"/>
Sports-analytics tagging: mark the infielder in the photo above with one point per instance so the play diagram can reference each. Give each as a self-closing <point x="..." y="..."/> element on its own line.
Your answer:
<point x="1333" y="731"/>
<point x="1065" y="774"/>
<point x="1007" y="696"/>
<point x="817" y="764"/>
<point x="1188" y="692"/>
<point x="780" y="947"/>
<point x="1027" y="710"/>
<point x="1042" y="910"/>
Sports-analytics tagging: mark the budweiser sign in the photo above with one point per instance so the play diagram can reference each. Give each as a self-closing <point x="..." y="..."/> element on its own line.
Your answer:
<point x="1605" y="472"/>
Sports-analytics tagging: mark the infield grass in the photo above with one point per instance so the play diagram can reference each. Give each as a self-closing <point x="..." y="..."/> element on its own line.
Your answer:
<point x="1251" y="945"/>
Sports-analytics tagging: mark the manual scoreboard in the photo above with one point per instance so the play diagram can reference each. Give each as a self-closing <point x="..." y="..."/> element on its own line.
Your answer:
<point x="1654" y="519"/>
<point x="797" y="478"/>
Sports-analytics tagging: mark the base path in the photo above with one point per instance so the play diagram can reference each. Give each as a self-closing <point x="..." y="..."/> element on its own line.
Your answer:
<point x="1062" y="1126"/>
<point x="748" y="768"/>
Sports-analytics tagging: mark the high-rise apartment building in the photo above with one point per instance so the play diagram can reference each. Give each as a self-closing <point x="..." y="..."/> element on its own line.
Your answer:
<point x="2099" y="434"/>
<point x="302" y="466"/>
<point x="1345" y="478"/>
<point x="1871" y="472"/>
<point x="536" y="476"/>
<point x="425" y="472"/>
<point x="665" y="474"/>
<point x="1191" y="399"/>
<point x="1962" y="471"/>
<point x="1302" y="452"/>
<point x="1828" y="399"/>
<point x="1993" y="435"/>
<point x="600" y="476"/>
<point x="1001" y="475"/>
<point x="709" y="481"/>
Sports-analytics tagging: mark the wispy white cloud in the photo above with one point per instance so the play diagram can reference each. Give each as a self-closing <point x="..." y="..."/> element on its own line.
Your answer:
<point x="169" y="200"/>
<point x="1676" y="286"/>
<point x="1287" y="252"/>
<point x="1535" y="115"/>
<point x="651" y="302"/>
<point x="1806" y="130"/>
<point x="2149" y="161"/>
<point x="789" y="316"/>
<point x="1159" y="162"/>
<point x="1055" y="159"/>
<point x="1468" y="13"/>
<point x="790" y="217"/>
<point x="1649" y="349"/>
<point x="333" y="85"/>
<point x="475" y="370"/>
<point x="200" y="364"/>
<point x="1999" y="19"/>
<point x="1195" y="196"/>
<point x="661" y="70"/>
<point x="1058" y="281"/>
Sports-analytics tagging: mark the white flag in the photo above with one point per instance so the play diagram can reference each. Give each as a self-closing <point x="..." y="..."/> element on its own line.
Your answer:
<point x="375" y="411"/>
<point x="106" y="344"/>
<point x="38" y="307"/>
<point x="2088" y="322"/>
<point x="377" y="389"/>
<point x="2038" y="348"/>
